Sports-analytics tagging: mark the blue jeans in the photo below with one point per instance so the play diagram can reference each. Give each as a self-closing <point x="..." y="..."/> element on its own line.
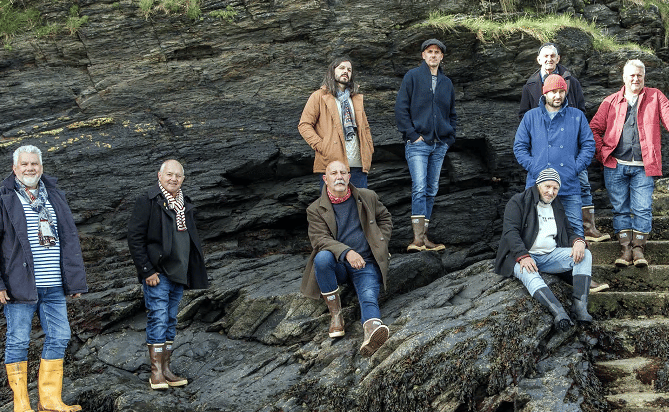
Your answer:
<point x="586" y="196"/>
<point x="572" y="208"/>
<point x="52" y="309"/>
<point x="358" y="178"/>
<point x="162" y="301"/>
<point x="557" y="261"/>
<point x="631" y="195"/>
<point x="366" y="281"/>
<point x="425" y="161"/>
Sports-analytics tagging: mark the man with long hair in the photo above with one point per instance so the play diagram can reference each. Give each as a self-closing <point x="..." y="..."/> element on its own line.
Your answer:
<point x="334" y="123"/>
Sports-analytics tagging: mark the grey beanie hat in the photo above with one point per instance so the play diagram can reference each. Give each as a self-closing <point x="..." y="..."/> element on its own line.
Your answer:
<point x="430" y="42"/>
<point x="549" y="174"/>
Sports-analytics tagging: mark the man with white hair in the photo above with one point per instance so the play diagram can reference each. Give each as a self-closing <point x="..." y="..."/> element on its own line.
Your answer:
<point x="627" y="136"/>
<point x="40" y="265"/>
<point x="166" y="249"/>
<point x="536" y="236"/>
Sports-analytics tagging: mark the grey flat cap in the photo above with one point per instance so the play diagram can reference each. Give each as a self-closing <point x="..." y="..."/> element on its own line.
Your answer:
<point x="430" y="42"/>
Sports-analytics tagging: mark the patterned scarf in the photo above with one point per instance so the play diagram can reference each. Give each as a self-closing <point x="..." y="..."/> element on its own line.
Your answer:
<point x="347" y="121"/>
<point x="46" y="230"/>
<point x="177" y="205"/>
<point x="336" y="200"/>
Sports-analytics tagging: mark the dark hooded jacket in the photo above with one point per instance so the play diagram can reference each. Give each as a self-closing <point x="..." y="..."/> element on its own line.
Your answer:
<point x="16" y="261"/>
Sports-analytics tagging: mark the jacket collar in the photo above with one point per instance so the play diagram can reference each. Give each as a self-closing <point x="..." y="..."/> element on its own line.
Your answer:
<point x="324" y="200"/>
<point x="426" y="69"/>
<point x="542" y="105"/>
<point x="155" y="192"/>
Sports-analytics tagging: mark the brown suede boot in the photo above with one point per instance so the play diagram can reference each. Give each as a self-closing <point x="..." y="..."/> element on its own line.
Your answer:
<point x="638" y="247"/>
<point x="376" y="334"/>
<point x="418" y="226"/>
<point x="171" y="378"/>
<point x="625" y="240"/>
<point x="429" y="245"/>
<point x="336" y="319"/>
<point x="591" y="232"/>
<point x="50" y="384"/>
<point x="17" y="375"/>
<point x="157" y="380"/>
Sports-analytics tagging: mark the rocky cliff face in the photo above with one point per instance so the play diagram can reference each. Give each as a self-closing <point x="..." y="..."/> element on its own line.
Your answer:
<point x="110" y="103"/>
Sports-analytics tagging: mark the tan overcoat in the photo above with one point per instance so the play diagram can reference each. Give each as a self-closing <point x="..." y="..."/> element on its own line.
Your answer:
<point x="376" y="223"/>
<point x="320" y="125"/>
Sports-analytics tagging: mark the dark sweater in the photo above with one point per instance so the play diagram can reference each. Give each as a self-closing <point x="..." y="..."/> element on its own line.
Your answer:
<point x="349" y="230"/>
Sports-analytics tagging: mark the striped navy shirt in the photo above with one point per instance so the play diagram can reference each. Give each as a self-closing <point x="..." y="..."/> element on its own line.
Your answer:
<point x="46" y="259"/>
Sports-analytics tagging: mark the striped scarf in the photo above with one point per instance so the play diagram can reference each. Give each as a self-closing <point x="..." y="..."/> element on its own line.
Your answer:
<point x="176" y="204"/>
<point x="46" y="230"/>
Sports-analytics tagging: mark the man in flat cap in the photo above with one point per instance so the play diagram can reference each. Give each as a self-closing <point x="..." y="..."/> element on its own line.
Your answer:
<point x="425" y="115"/>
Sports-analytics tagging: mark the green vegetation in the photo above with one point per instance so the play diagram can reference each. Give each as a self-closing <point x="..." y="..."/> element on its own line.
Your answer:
<point x="228" y="14"/>
<point x="74" y="21"/>
<point x="15" y="21"/>
<point x="190" y="8"/>
<point x="543" y="29"/>
<point x="663" y="8"/>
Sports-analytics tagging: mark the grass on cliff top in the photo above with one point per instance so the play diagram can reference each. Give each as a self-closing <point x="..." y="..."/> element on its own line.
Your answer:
<point x="543" y="29"/>
<point x="15" y="21"/>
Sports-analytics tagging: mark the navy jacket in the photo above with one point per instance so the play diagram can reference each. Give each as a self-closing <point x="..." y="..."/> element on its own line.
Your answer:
<point x="16" y="261"/>
<point x="521" y="226"/>
<point x="419" y="112"/>
<point x="532" y="91"/>
<point x="564" y="143"/>
<point x="150" y="237"/>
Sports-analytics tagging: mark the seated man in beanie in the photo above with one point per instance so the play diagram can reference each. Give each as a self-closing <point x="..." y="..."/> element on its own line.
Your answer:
<point x="349" y="229"/>
<point x="538" y="237"/>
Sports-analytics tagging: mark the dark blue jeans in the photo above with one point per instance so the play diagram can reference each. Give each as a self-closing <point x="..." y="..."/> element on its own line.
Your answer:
<point x="425" y="161"/>
<point x="366" y="281"/>
<point x="52" y="309"/>
<point x="631" y="195"/>
<point x="162" y="301"/>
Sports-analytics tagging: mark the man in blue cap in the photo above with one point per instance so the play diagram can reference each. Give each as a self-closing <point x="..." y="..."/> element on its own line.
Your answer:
<point x="425" y="115"/>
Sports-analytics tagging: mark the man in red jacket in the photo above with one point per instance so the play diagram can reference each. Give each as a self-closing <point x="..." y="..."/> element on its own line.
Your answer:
<point x="627" y="134"/>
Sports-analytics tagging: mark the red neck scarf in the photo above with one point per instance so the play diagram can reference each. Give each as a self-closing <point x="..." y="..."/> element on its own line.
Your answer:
<point x="336" y="200"/>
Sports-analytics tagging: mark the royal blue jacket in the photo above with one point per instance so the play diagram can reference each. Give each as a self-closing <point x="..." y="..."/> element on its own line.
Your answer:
<point x="419" y="112"/>
<point x="16" y="261"/>
<point x="564" y="143"/>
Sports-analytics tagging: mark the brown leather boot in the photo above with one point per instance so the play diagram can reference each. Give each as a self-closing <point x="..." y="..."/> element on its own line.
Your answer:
<point x="376" y="334"/>
<point x="418" y="226"/>
<point x="171" y="378"/>
<point x="17" y="375"/>
<point x="50" y="386"/>
<point x="638" y="247"/>
<point x="591" y="232"/>
<point x="157" y="380"/>
<point x="336" y="318"/>
<point x="625" y="240"/>
<point x="429" y="245"/>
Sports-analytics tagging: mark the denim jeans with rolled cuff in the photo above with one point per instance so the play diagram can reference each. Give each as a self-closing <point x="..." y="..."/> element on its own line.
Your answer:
<point x="425" y="161"/>
<point x="162" y="302"/>
<point x="631" y="195"/>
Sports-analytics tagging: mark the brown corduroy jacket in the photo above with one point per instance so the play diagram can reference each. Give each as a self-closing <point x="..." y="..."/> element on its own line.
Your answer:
<point x="376" y="223"/>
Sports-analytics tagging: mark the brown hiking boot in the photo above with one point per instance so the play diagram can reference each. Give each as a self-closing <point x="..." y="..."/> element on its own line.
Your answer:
<point x="336" y="319"/>
<point x="376" y="334"/>
<point x="418" y="226"/>
<point x="625" y="240"/>
<point x="638" y="247"/>
<point x="429" y="245"/>
<point x="591" y="232"/>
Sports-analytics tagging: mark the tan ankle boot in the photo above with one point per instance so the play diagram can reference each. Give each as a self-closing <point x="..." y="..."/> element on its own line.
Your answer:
<point x="17" y="375"/>
<point x="591" y="232"/>
<point x="638" y="247"/>
<point x="171" y="378"/>
<point x="157" y="379"/>
<point x="428" y="244"/>
<point x="625" y="240"/>
<point x="418" y="226"/>
<point x="336" y="318"/>
<point x="50" y="384"/>
<point x="376" y="334"/>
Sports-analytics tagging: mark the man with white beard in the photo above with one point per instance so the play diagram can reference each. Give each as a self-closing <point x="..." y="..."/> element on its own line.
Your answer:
<point x="349" y="230"/>
<point x="40" y="265"/>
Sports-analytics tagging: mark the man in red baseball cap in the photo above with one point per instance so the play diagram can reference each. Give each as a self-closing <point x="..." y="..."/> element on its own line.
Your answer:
<point x="556" y="135"/>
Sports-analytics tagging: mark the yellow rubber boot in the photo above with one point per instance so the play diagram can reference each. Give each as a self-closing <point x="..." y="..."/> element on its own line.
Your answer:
<point x="17" y="375"/>
<point x="50" y="383"/>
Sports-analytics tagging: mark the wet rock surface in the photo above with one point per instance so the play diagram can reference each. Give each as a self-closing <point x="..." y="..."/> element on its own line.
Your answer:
<point x="110" y="103"/>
